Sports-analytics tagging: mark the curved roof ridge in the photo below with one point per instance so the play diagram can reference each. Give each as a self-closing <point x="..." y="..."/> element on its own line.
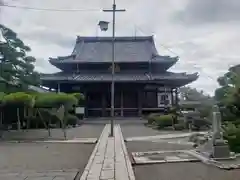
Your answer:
<point x="117" y="38"/>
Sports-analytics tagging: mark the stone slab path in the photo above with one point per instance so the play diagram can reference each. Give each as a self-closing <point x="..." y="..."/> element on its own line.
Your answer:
<point x="109" y="159"/>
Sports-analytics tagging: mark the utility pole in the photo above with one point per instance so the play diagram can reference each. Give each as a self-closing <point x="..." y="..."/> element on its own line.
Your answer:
<point x="113" y="10"/>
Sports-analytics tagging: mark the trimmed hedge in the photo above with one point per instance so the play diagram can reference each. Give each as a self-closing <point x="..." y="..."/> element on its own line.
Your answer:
<point x="18" y="99"/>
<point x="55" y="100"/>
<point x="41" y="100"/>
<point x="46" y="103"/>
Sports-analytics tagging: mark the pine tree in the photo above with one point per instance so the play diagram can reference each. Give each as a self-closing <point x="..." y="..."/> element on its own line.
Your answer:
<point x="16" y="66"/>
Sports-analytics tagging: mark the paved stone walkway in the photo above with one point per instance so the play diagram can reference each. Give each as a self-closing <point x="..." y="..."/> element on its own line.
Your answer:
<point x="109" y="159"/>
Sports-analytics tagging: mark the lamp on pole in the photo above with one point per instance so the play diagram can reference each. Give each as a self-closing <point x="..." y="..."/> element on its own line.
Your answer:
<point x="104" y="26"/>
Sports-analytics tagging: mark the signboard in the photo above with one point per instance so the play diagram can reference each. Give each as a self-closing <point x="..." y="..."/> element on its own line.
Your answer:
<point x="79" y="110"/>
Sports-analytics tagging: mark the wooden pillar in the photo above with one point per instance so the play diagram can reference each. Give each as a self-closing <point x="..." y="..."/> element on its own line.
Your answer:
<point x="172" y="100"/>
<point x="176" y="98"/>
<point x="103" y="104"/>
<point x="121" y="99"/>
<point x="86" y="104"/>
<point x="58" y="88"/>
<point x="155" y="98"/>
<point x="140" y="103"/>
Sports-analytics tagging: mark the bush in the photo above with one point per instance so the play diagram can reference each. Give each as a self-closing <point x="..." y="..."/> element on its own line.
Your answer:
<point x="2" y="94"/>
<point x="79" y="96"/>
<point x="164" y="120"/>
<point x="200" y="124"/>
<point x="179" y="126"/>
<point x="70" y="119"/>
<point x="152" y="118"/>
<point x="232" y="135"/>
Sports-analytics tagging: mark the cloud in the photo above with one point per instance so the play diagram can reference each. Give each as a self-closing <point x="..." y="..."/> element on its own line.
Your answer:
<point x="209" y="11"/>
<point x="203" y="37"/>
<point x="48" y="36"/>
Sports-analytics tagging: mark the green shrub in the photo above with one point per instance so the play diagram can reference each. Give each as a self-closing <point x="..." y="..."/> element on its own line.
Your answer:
<point x="200" y="124"/>
<point x="79" y="96"/>
<point x="232" y="135"/>
<point x="2" y="94"/>
<point x="164" y="120"/>
<point x="179" y="126"/>
<point x="151" y="118"/>
<point x="70" y="119"/>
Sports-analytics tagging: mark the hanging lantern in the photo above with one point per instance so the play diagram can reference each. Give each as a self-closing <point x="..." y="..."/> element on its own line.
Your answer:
<point x="103" y="25"/>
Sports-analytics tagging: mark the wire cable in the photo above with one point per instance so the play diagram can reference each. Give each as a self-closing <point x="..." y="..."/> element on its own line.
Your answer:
<point x="167" y="48"/>
<point x="47" y="9"/>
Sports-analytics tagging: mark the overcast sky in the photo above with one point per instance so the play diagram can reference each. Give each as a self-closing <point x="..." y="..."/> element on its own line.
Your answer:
<point x="203" y="33"/>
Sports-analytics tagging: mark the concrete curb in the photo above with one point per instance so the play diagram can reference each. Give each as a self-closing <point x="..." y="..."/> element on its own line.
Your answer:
<point x="128" y="162"/>
<point x="90" y="161"/>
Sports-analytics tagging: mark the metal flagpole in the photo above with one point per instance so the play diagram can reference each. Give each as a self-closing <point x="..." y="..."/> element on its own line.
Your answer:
<point x="113" y="10"/>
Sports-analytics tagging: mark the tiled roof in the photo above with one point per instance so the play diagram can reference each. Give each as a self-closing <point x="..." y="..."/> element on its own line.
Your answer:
<point x="127" y="49"/>
<point x="118" y="77"/>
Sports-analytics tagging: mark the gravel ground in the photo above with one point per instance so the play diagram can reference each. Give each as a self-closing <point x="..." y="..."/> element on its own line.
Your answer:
<point x="18" y="157"/>
<point x="183" y="171"/>
<point x="170" y="171"/>
<point x="139" y="146"/>
<point x="84" y="131"/>
<point x="133" y="130"/>
<point x="53" y="160"/>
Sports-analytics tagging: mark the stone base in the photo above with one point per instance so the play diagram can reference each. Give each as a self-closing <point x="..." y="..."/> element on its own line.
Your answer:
<point x="221" y="151"/>
<point x="215" y="149"/>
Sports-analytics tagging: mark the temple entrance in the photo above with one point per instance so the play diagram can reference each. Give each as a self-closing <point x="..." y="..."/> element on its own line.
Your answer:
<point x="129" y="100"/>
<point x="99" y="104"/>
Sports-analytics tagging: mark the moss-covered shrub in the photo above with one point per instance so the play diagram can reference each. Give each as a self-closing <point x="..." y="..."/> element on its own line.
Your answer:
<point x="164" y="120"/>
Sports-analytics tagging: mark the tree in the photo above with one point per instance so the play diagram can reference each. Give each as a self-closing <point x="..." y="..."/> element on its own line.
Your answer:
<point x="228" y="95"/>
<point x="205" y="101"/>
<point x="16" y="66"/>
<point x="192" y="94"/>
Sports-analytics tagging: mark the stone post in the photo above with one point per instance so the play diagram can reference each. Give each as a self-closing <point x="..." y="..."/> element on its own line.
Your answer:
<point x="220" y="147"/>
<point x="216" y="124"/>
<point x="216" y="147"/>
